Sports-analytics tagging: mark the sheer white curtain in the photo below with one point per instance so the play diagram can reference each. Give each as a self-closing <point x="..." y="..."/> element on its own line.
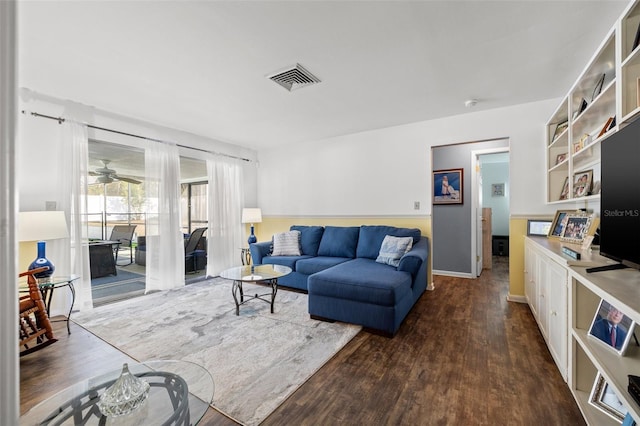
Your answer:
<point x="225" y="198"/>
<point x="75" y="162"/>
<point x="165" y="244"/>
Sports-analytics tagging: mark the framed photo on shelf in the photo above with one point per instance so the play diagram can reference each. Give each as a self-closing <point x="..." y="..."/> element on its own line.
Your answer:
<point x="559" y="221"/>
<point x="566" y="189"/>
<point x="598" y="89"/>
<point x="447" y="186"/>
<point x="577" y="146"/>
<point x="611" y="327"/>
<point x="636" y="40"/>
<point x="604" y="398"/>
<point x="560" y="127"/>
<point x="538" y="227"/>
<point x="606" y="126"/>
<point x="560" y="158"/>
<point x="581" y="108"/>
<point x="576" y="228"/>
<point x="582" y="183"/>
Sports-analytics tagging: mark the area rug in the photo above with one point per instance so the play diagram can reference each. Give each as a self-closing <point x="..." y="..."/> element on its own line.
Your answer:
<point x="122" y="276"/>
<point x="256" y="359"/>
<point x="117" y="289"/>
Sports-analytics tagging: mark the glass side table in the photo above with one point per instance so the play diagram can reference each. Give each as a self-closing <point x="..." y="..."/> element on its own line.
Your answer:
<point x="245" y="256"/>
<point x="180" y="393"/>
<point x="265" y="275"/>
<point x="47" y="288"/>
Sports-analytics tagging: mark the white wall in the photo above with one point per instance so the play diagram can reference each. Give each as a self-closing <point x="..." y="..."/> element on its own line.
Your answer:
<point x="382" y="172"/>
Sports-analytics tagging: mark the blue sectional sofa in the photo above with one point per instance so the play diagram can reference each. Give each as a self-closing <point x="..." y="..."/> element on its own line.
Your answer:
<point x="337" y="267"/>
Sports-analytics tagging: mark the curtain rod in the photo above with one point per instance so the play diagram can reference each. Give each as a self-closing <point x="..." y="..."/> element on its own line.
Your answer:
<point x="61" y="120"/>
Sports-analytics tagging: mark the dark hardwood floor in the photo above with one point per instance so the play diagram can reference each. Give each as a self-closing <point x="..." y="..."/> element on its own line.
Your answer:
<point x="464" y="355"/>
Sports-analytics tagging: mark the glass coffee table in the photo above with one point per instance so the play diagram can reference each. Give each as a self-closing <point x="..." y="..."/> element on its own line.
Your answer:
<point x="266" y="275"/>
<point x="180" y="393"/>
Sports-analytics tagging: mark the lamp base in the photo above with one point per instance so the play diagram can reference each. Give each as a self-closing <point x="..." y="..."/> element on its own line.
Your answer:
<point x="42" y="261"/>
<point x="252" y="238"/>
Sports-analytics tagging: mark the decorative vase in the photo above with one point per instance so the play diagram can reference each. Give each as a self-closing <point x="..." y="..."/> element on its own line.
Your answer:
<point x="125" y="395"/>
<point x="41" y="261"/>
<point x="252" y="238"/>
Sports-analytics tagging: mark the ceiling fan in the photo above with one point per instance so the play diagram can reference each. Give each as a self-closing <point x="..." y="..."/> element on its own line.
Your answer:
<point x="106" y="175"/>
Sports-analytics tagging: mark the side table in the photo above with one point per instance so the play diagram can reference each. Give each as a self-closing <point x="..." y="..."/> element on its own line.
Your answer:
<point x="265" y="275"/>
<point x="245" y="256"/>
<point x="47" y="289"/>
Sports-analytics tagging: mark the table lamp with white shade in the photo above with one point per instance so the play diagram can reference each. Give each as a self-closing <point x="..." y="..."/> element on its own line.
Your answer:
<point x="252" y="215"/>
<point x="42" y="226"/>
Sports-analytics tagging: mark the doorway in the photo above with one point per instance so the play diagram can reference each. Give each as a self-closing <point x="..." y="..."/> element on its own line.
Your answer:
<point x="455" y="226"/>
<point x="491" y="201"/>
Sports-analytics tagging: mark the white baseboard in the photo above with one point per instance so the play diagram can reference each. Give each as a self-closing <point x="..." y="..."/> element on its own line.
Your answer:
<point x="453" y="274"/>
<point x="517" y="299"/>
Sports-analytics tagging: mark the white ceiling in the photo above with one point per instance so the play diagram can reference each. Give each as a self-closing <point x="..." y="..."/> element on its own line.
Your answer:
<point x="202" y="66"/>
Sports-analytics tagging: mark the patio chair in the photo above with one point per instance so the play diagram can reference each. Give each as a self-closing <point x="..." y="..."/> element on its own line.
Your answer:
<point x="194" y="259"/>
<point x="35" y="331"/>
<point x="124" y="235"/>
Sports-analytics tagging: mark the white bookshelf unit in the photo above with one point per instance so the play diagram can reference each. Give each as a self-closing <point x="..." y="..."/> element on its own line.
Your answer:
<point x="610" y="88"/>
<point x="564" y="298"/>
<point x="588" y="356"/>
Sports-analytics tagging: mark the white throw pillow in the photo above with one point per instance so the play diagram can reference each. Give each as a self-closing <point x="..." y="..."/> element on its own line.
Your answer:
<point x="286" y="244"/>
<point x="393" y="248"/>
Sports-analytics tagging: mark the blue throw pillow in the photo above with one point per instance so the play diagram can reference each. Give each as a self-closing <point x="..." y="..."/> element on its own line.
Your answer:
<point x="371" y="238"/>
<point x="310" y="237"/>
<point x="393" y="248"/>
<point x="339" y="241"/>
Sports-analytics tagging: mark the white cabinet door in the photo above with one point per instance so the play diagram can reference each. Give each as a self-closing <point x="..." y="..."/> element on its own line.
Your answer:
<point x="556" y="278"/>
<point x="546" y="292"/>
<point x="530" y="282"/>
<point x="542" y="268"/>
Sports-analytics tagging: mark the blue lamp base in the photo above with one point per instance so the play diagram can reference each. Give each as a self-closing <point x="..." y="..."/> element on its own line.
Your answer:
<point x="42" y="261"/>
<point x="252" y="238"/>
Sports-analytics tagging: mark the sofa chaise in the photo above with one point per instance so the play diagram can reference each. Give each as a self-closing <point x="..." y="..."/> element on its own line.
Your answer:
<point x="366" y="275"/>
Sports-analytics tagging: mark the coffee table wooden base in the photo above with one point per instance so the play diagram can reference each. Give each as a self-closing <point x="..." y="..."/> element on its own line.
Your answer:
<point x="239" y="296"/>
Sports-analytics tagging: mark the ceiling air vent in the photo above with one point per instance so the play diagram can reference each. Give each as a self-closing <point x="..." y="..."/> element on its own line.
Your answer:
<point x="294" y="78"/>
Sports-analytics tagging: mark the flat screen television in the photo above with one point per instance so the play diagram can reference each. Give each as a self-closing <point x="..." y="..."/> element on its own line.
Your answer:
<point x="620" y="196"/>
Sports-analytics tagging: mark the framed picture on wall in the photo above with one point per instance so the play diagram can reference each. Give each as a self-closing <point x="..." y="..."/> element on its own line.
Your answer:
<point x="497" y="189"/>
<point x="447" y="186"/>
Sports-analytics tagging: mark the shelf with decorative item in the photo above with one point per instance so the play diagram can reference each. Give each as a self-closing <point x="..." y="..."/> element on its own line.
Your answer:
<point x="631" y="85"/>
<point x="596" y="113"/>
<point x="598" y="74"/>
<point x="630" y="32"/>
<point x="558" y="185"/>
<point x="558" y="160"/>
<point x="595" y="359"/>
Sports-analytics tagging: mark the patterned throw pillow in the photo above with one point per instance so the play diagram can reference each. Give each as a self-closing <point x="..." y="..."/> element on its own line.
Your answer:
<point x="393" y="248"/>
<point x="286" y="244"/>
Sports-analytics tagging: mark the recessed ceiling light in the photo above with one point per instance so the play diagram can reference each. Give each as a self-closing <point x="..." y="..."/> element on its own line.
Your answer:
<point x="470" y="103"/>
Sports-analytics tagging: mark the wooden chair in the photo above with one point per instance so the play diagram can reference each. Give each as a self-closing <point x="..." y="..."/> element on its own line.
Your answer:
<point x="35" y="327"/>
